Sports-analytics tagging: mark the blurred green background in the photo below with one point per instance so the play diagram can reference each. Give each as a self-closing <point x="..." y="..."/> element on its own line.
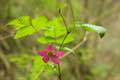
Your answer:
<point x="97" y="59"/>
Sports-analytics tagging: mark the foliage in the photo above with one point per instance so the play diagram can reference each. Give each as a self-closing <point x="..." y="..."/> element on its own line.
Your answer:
<point x="53" y="31"/>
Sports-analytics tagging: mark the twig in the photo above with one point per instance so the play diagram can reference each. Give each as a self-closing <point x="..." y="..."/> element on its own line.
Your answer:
<point x="63" y="41"/>
<point x="78" y="45"/>
<point x="60" y="13"/>
<point x="67" y="30"/>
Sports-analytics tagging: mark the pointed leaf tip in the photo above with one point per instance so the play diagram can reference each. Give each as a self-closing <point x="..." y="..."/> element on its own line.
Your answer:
<point x="93" y="28"/>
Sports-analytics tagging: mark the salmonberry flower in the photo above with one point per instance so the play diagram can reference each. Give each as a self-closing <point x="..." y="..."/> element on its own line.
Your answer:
<point x="50" y="53"/>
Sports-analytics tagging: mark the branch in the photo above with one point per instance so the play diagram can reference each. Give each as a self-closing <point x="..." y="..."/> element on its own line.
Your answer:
<point x="78" y="45"/>
<point x="66" y="27"/>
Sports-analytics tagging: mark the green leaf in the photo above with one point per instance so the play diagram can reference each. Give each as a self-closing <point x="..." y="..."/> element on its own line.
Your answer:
<point x="50" y="68"/>
<point x="37" y="68"/>
<point x="45" y="39"/>
<point x="24" y="27"/>
<point x="55" y="28"/>
<point x="55" y="33"/>
<point x="28" y="30"/>
<point x="39" y="22"/>
<point x="93" y="28"/>
<point x="58" y="40"/>
<point x="20" y="22"/>
<point x="68" y="39"/>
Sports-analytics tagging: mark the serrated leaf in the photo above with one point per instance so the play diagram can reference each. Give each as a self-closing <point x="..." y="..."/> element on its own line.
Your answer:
<point x="93" y="28"/>
<point x="39" y="22"/>
<point x="24" y="32"/>
<point x="54" y="31"/>
<point x="20" y="22"/>
<point x="24" y="27"/>
<point x="55" y="28"/>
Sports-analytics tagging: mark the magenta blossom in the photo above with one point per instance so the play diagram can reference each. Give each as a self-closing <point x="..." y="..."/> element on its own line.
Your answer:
<point x="50" y="53"/>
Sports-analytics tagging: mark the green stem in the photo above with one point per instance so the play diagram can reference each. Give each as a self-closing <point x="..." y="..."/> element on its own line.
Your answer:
<point x="60" y="12"/>
<point x="63" y="40"/>
<point x="72" y="12"/>
<point x="67" y="33"/>
<point x="59" y="71"/>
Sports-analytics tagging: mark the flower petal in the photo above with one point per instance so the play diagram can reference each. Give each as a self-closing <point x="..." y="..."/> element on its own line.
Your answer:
<point x="55" y="59"/>
<point x="59" y="54"/>
<point x="50" y="47"/>
<point x="45" y="59"/>
<point x="42" y="53"/>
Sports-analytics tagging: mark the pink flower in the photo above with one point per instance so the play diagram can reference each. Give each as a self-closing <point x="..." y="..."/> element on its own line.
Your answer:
<point x="50" y="53"/>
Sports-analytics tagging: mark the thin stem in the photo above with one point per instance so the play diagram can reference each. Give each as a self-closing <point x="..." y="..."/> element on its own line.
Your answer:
<point x="60" y="12"/>
<point x="67" y="30"/>
<point x="67" y="33"/>
<point x="63" y="41"/>
<point x="59" y="71"/>
<point x="72" y="12"/>
<point x="78" y="45"/>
